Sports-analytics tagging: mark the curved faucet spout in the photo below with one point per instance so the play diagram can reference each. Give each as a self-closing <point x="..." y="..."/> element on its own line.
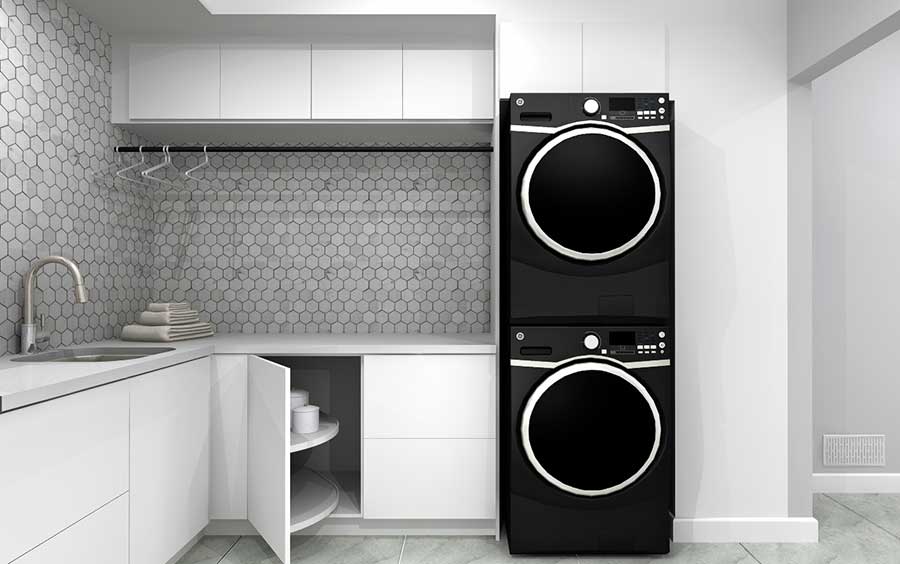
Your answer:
<point x="28" y="330"/>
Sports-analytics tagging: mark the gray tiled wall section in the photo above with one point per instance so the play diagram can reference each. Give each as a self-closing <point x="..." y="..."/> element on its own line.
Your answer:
<point x="55" y="198"/>
<point x="362" y="242"/>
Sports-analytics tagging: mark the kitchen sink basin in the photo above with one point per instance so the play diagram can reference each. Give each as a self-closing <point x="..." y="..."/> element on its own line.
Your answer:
<point x="92" y="354"/>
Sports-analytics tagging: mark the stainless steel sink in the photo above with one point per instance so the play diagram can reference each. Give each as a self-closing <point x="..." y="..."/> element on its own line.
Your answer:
<point x="92" y="354"/>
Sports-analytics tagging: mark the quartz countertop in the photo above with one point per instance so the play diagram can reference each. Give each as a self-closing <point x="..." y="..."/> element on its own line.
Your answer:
<point x="23" y="384"/>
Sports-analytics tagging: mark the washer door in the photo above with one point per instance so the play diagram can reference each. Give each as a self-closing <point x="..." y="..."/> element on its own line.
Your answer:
<point x="591" y="429"/>
<point x="590" y="193"/>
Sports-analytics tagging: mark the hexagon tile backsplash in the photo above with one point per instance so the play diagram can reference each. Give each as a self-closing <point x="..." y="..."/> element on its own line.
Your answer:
<point x="56" y="144"/>
<point x="329" y="242"/>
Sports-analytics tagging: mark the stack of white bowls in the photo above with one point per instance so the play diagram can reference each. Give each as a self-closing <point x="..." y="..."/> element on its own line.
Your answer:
<point x="304" y="417"/>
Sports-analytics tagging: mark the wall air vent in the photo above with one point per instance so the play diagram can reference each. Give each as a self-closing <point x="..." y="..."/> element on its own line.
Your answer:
<point x="853" y="450"/>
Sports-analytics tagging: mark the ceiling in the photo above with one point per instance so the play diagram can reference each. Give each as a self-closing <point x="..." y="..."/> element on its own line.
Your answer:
<point x="189" y="19"/>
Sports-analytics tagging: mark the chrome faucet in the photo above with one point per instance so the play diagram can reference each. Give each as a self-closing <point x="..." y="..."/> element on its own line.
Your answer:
<point x="31" y="334"/>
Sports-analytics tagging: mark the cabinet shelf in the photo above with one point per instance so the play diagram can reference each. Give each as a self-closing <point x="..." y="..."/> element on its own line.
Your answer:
<point x="313" y="498"/>
<point x="328" y="429"/>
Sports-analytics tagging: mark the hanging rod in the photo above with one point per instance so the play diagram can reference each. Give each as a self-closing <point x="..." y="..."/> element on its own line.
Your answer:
<point x="307" y="149"/>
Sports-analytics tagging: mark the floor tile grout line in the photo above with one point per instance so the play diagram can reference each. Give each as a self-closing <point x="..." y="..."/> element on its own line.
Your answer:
<point x="753" y="556"/>
<point x="857" y="513"/>
<point x="402" y="546"/>
<point x="230" y="548"/>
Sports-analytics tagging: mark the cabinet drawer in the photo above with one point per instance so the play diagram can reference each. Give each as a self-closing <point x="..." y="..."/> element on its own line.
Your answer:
<point x="99" y="538"/>
<point x="62" y="459"/>
<point x="429" y="396"/>
<point x="429" y="479"/>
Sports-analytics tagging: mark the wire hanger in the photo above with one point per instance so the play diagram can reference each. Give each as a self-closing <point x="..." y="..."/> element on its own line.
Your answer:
<point x="205" y="163"/>
<point x="122" y="173"/>
<point x="166" y="163"/>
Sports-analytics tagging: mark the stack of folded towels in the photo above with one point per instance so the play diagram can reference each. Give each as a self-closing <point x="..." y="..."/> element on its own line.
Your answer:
<point x="167" y="322"/>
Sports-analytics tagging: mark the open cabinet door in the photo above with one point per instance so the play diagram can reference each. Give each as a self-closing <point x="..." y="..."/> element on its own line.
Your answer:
<point x="268" y="457"/>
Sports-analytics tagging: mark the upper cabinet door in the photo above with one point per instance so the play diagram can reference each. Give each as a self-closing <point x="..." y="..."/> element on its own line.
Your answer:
<point x="265" y="82"/>
<point x="173" y="81"/>
<point x="540" y="57"/>
<point x="268" y="453"/>
<point x="448" y="84"/>
<point x="625" y="57"/>
<point x="357" y="83"/>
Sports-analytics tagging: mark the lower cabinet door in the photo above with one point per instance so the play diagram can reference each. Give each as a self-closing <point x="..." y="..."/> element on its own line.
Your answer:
<point x="268" y="455"/>
<point x="169" y="460"/>
<point x="99" y="538"/>
<point x="429" y="479"/>
<point x="59" y="461"/>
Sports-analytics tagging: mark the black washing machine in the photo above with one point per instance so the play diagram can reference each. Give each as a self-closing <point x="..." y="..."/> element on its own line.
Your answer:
<point x="589" y="412"/>
<point x="587" y="208"/>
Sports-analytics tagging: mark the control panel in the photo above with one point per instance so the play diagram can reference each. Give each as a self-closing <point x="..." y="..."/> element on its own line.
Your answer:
<point x="625" y="110"/>
<point x="558" y="343"/>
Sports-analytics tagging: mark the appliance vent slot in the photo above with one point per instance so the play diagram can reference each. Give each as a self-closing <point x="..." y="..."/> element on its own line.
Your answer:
<point x="853" y="450"/>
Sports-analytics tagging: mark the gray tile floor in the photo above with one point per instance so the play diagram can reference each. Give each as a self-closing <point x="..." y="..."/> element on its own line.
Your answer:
<point x="853" y="529"/>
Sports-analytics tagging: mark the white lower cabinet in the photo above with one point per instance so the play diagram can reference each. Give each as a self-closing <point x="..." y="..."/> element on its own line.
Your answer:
<point x="61" y="460"/>
<point x="429" y="437"/>
<point x="169" y="460"/>
<point x="99" y="538"/>
<point x="429" y="479"/>
<point x="228" y="438"/>
<point x="268" y="454"/>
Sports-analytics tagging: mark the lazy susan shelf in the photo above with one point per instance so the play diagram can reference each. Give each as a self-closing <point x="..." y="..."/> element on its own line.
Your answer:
<point x="313" y="498"/>
<point x="328" y="429"/>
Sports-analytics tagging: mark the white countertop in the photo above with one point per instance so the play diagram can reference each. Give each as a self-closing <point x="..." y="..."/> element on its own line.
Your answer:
<point x="23" y="384"/>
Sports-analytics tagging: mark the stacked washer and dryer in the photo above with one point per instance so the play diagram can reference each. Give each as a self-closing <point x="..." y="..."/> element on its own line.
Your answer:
<point x="587" y="315"/>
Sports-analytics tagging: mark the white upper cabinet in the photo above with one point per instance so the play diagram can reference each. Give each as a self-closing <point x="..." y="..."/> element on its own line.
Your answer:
<point x="624" y="57"/>
<point x="265" y="82"/>
<point x="448" y="84"/>
<point x="540" y="57"/>
<point x="357" y="83"/>
<point x="173" y="81"/>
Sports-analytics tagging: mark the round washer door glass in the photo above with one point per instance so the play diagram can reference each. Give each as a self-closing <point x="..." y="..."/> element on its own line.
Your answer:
<point x="591" y="428"/>
<point x="591" y="193"/>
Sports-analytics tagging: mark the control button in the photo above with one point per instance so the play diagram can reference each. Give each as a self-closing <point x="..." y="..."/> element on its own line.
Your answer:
<point x="662" y="100"/>
<point x="591" y="106"/>
<point x="652" y="346"/>
<point x="520" y="102"/>
<point x="640" y="352"/>
<point x="662" y="345"/>
<point x="520" y="336"/>
<point x="591" y="341"/>
<point x="642" y="117"/>
<point x="662" y="334"/>
<point x="662" y="110"/>
<point x="652" y="112"/>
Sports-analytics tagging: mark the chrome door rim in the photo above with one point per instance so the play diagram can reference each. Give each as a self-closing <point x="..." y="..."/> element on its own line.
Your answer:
<point x="549" y="241"/>
<point x="557" y="376"/>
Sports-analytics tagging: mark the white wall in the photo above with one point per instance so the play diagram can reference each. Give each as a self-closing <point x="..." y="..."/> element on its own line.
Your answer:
<point x="727" y="73"/>
<point x="821" y="29"/>
<point x="856" y="268"/>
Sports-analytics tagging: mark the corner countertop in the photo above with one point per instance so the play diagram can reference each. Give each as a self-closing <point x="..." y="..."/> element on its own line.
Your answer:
<point x="23" y="384"/>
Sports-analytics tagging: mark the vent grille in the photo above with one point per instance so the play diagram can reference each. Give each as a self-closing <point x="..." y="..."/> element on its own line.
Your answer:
<point x="853" y="450"/>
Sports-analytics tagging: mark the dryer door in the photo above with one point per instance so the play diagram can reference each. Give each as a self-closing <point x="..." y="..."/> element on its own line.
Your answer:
<point x="590" y="428"/>
<point x="590" y="193"/>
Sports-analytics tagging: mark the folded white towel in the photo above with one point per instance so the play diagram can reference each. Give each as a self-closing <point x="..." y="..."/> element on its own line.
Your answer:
<point x="166" y="333"/>
<point x="168" y="317"/>
<point x="169" y="306"/>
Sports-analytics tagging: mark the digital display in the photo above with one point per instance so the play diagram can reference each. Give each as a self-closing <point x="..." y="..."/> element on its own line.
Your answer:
<point x="621" y="338"/>
<point x="621" y="104"/>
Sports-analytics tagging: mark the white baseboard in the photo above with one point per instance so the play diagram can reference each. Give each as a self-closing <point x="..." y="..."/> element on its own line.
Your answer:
<point x="747" y="529"/>
<point x="369" y="527"/>
<point x="856" y="483"/>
